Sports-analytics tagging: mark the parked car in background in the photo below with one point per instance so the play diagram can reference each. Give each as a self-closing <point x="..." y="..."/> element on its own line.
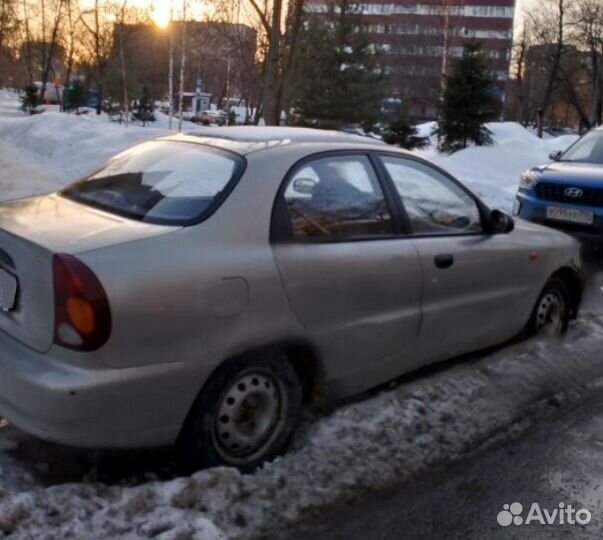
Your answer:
<point x="210" y="117"/>
<point x="557" y="131"/>
<point x="53" y="93"/>
<point x="198" y="289"/>
<point x="567" y="194"/>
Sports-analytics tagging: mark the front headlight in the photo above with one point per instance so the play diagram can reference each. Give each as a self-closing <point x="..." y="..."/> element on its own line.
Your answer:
<point x="528" y="180"/>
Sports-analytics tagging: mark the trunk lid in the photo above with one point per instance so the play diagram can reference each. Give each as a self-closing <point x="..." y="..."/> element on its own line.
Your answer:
<point x="31" y="232"/>
<point x="62" y="225"/>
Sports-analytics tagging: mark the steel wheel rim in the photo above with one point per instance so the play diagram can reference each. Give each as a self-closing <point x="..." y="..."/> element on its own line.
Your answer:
<point x="550" y="314"/>
<point x="249" y="416"/>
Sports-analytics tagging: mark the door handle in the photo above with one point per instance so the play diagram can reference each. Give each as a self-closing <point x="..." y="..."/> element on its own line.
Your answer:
<point x="445" y="260"/>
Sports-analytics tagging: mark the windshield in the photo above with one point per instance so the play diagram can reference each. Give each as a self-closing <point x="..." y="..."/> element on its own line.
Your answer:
<point x="589" y="149"/>
<point x="171" y="183"/>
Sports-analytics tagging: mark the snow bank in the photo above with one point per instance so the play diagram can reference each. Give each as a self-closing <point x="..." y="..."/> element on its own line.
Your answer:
<point x="70" y="145"/>
<point x="367" y="445"/>
<point x="493" y="171"/>
<point x="21" y="174"/>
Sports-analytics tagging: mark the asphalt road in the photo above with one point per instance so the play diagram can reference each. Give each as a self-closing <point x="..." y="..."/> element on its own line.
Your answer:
<point x="559" y="459"/>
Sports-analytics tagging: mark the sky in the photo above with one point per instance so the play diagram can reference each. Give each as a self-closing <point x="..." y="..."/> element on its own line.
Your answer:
<point x="523" y="5"/>
<point x="160" y="9"/>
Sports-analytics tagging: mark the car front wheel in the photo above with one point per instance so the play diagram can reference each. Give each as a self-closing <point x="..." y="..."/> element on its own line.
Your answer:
<point x="245" y="414"/>
<point x="552" y="312"/>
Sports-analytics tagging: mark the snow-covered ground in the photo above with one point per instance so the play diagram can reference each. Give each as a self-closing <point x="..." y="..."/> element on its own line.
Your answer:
<point x="493" y="171"/>
<point x="375" y="443"/>
<point x="431" y="419"/>
<point x="63" y="147"/>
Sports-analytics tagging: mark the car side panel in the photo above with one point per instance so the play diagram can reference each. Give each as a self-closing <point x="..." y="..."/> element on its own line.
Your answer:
<point x="481" y="300"/>
<point x="360" y="303"/>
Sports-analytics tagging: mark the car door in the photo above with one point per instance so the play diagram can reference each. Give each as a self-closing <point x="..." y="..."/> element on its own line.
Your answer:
<point x="472" y="280"/>
<point x="353" y="283"/>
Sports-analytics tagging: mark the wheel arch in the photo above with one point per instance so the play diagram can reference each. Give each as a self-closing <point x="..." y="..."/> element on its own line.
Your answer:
<point x="305" y="360"/>
<point x="574" y="282"/>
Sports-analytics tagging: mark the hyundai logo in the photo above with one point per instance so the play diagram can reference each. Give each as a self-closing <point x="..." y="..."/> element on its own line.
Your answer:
<point x="573" y="192"/>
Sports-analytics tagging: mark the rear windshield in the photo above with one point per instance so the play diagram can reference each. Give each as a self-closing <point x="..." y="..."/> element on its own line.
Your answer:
<point x="589" y="149"/>
<point x="172" y="183"/>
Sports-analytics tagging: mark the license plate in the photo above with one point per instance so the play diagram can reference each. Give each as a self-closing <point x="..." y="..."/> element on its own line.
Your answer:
<point x="571" y="215"/>
<point x="8" y="290"/>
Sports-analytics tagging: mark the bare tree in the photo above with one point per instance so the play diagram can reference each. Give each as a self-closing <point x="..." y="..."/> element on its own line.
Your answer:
<point x="574" y="85"/>
<point x="272" y="25"/>
<point x="97" y="43"/>
<point x="70" y="36"/>
<point x="122" y="61"/>
<point x="448" y="11"/>
<point x="27" y="45"/>
<point x="182" y="66"/>
<point x="549" y="24"/>
<point x="235" y="61"/>
<point x="295" y="19"/>
<point x="586" y="27"/>
<point x="171" y="66"/>
<point x="522" y="90"/>
<point x="50" y="15"/>
<point x="9" y="26"/>
<point x="446" y="38"/>
<point x="267" y="17"/>
<point x="278" y="23"/>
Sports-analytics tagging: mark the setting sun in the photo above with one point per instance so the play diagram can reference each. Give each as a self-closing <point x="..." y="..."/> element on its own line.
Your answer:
<point x="160" y="14"/>
<point x="162" y="11"/>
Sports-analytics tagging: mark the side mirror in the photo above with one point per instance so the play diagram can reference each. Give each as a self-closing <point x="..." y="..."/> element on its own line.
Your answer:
<point x="555" y="155"/>
<point x="501" y="223"/>
<point x="304" y="186"/>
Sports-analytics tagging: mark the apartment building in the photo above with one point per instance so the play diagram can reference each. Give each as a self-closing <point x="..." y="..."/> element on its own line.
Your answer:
<point x="421" y="40"/>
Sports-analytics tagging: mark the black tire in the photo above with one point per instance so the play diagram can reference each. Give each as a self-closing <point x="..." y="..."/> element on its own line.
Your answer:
<point x="238" y="397"/>
<point x="548" y="317"/>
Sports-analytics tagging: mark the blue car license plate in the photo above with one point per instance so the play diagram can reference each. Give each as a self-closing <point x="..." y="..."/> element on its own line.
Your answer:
<point x="572" y="215"/>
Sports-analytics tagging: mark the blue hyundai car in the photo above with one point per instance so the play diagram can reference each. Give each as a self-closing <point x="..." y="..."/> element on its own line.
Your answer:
<point x="567" y="194"/>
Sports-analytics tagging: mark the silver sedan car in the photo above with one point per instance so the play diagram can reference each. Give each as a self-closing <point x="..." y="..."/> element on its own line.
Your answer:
<point x="197" y="290"/>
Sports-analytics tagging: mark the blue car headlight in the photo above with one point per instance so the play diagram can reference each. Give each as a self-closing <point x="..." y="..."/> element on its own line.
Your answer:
<point x="528" y="180"/>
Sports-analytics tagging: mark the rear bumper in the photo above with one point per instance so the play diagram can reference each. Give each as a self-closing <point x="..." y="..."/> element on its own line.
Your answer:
<point x="92" y="408"/>
<point x="530" y="208"/>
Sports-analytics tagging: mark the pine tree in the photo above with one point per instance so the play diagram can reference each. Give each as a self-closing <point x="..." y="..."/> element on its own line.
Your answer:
<point x="468" y="103"/>
<point x="144" y="109"/>
<point x="30" y="99"/>
<point x="402" y="133"/>
<point x="338" y="81"/>
<point x="75" y="96"/>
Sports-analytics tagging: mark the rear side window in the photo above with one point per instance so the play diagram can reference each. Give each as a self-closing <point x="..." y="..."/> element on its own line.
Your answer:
<point x="172" y="183"/>
<point x="336" y="198"/>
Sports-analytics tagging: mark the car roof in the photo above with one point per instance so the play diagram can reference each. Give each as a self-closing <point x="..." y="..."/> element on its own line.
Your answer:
<point x="247" y="139"/>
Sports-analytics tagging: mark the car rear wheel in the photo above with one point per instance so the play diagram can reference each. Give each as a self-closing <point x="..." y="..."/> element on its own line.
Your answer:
<point x="552" y="312"/>
<point x="245" y="415"/>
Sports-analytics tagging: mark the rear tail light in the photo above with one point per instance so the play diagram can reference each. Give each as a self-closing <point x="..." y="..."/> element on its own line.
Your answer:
<point x="82" y="315"/>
